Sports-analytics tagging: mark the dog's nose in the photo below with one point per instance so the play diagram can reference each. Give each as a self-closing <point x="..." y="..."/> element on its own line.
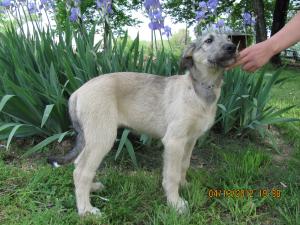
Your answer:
<point x="230" y="48"/>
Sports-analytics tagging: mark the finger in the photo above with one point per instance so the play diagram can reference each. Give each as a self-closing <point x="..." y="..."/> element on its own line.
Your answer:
<point x="241" y="59"/>
<point x="248" y="66"/>
<point x="229" y="67"/>
<point x="232" y="65"/>
<point x="253" y="69"/>
<point x="237" y="63"/>
<point x="243" y="53"/>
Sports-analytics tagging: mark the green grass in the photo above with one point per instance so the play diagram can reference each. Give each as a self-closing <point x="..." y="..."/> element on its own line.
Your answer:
<point x="34" y="193"/>
<point x="31" y="192"/>
<point x="288" y="94"/>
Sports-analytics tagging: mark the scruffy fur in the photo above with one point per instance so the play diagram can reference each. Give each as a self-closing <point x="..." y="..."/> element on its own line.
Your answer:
<point x="176" y="109"/>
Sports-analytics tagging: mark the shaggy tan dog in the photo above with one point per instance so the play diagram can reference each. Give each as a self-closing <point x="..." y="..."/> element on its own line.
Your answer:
<point x="176" y="109"/>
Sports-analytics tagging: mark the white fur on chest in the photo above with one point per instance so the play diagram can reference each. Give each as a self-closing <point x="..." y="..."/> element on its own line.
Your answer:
<point x="204" y="122"/>
<point x="192" y="114"/>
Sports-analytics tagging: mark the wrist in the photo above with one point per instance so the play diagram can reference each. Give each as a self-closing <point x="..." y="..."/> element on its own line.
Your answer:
<point x="273" y="46"/>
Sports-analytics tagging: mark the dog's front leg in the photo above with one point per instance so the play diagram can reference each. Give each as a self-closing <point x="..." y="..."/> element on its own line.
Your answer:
<point x="189" y="146"/>
<point x="173" y="155"/>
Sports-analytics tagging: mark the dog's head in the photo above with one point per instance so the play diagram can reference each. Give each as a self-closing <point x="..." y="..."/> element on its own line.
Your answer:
<point x="213" y="50"/>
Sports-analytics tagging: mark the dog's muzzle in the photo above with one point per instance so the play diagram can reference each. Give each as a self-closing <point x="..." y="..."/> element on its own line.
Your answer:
<point x="230" y="49"/>
<point x="227" y="56"/>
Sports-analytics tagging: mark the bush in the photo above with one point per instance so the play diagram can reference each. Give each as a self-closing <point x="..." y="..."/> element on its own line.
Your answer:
<point x="243" y="105"/>
<point x="40" y="73"/>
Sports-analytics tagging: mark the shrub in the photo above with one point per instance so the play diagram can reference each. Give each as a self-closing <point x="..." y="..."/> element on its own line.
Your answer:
<point x="243" y="105"/>
<point x="40" y="73"/>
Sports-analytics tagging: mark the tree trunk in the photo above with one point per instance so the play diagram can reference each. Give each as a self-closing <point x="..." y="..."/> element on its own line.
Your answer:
<point x="279" y="19"/>
<point x="260" y="26"/>
<point x="186" y="33"/>
<point x="106" y="30"/>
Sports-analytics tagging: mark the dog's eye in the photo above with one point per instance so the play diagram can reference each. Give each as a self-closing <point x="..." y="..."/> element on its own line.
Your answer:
<point x="208" y="41"/>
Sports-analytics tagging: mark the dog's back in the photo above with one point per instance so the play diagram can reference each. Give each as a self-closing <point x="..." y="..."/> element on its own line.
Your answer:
<point x="137" y="98"/>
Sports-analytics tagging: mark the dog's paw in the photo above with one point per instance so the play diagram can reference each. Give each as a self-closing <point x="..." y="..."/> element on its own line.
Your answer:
<point x="95" y="211"/>
<point x="91" y="211"/>
<point x="181" y="206"/>
<point x="97" y="186"/>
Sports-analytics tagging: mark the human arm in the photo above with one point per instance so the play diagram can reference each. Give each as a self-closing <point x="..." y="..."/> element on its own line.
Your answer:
<point x="257" y="55"/>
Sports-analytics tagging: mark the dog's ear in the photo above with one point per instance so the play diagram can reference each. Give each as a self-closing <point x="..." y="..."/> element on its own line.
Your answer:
<point x="187" y="57"/>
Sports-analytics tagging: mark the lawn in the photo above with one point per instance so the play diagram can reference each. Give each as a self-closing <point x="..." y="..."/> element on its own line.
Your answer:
<point x="231" y="181"/>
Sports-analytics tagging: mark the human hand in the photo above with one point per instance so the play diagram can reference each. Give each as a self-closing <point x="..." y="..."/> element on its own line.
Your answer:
<point x="254" y="57"/>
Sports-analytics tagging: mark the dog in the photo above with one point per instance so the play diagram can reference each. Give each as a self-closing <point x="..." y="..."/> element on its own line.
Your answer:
<point x="177" y="109"/>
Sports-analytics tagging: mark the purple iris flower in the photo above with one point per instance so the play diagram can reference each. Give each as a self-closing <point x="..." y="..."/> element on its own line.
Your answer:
<point x="152" y="3"/>
<point x="109" y="9"/>
<point x="99" y="4"/>
<point x="212" y="5"/>
<point x="156" y="25"/>
<point x="200" y="15"/>
<point x="154" y="10"/>
<point x="6" y="3"/>
<point x="202" y="4"/>
<point x="167" y="31"/>
<point x="74" y="14"/>
<point x="46" y="4"/>
<point x="220" y="23"/>
<point x="156" y="15"/>
<point x="104" y="4"/>
<point x="32" y="7"/>
<point x="247" y="18"/>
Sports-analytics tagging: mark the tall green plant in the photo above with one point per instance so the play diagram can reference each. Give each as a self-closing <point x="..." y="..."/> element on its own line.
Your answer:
<point x="243" y="104"/>
<point x="41" y="71"/>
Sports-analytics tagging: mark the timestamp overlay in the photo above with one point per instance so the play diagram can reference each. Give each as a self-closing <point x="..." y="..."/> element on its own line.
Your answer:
<point x="244" y="193"/>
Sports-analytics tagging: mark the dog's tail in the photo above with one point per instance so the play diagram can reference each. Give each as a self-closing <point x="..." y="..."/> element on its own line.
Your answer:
<point x="80" y="142"/>
<point x="57" y="161"/>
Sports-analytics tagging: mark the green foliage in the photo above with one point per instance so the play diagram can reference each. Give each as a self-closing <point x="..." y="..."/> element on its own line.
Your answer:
<point x="184" y="12"/>
<point x="244" y="169"/>
<point x="124" y="141"/>
<point x="237" y="9"/>
<point x="117" y="21"/>
<point x="41" y="71"/>
<point x="181" y="10"/>
<point x="34" y="193"/>
<point x="178" y="41"/>
<point x="243" y="105"/>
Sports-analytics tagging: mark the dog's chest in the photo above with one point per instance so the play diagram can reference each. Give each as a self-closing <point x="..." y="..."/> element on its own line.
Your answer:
<point x="203" y="122"/>
<point x="200" y="115"/>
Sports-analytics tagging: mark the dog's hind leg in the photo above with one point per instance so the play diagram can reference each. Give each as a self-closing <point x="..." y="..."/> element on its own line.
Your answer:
<point x="173" y="155"/>
<point x="189" y="146"/>
<point x="100" y="134"/>
<point x="97" y="186"/>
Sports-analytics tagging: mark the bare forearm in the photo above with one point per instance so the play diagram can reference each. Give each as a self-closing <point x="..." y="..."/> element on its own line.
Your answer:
<point x="255" y="56"/>
<point x="287" y="36"/>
